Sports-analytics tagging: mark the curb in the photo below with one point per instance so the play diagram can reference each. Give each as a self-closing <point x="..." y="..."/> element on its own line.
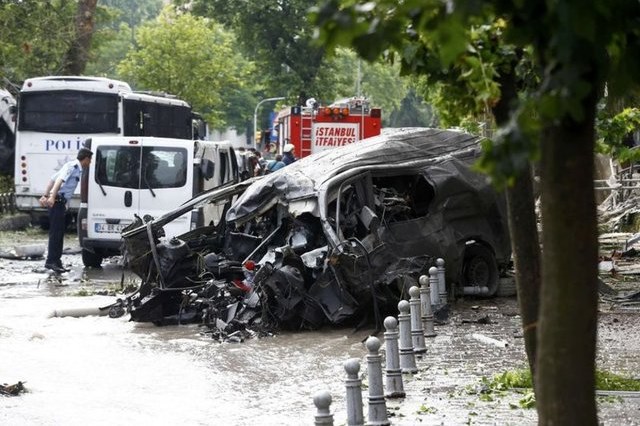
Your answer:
<point x="14" y="222"/>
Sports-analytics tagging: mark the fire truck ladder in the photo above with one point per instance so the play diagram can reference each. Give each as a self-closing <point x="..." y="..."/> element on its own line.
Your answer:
<point x="307" y="116"/>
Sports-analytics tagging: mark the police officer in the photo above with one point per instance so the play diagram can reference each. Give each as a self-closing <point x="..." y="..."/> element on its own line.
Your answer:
<point x="59" y="191"/>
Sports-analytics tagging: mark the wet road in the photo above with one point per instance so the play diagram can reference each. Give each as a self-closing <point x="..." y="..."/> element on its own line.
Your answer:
<point x="103" y="371"/>
<point x="97" y="370"/>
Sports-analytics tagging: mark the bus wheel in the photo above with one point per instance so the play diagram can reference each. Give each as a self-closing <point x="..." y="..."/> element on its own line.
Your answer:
<point x="480" y="269"/>
<point x="91" y="259"/>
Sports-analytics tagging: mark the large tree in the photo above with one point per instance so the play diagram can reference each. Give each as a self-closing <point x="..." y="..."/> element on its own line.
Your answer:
<point x="77" y="54"/>
<point x="117" y="22"/>
<point x="36" y="36"/>
<point x="195" y="59"/>
<point x="577" y="48"/>
<point x="278" y="37"/>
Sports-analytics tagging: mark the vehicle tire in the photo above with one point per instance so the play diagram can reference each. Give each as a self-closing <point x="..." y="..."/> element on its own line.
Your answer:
<point x="91" y="259"/>
<point x="70" y="221"/>
<point x="480" y="269"/>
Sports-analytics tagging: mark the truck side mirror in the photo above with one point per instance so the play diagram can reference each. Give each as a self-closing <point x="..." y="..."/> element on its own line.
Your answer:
<point x="207" y="167"/>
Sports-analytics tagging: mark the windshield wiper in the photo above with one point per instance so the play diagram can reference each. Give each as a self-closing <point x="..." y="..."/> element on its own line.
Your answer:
<point x="100" y="185"/>
<point x="144" y="177"/>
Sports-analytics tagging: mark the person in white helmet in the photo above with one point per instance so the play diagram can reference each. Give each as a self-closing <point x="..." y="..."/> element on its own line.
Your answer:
<point x="288" y="157"/>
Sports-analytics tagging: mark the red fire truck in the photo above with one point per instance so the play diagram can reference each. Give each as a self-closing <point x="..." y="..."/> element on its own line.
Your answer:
<point x="314" y="128"/>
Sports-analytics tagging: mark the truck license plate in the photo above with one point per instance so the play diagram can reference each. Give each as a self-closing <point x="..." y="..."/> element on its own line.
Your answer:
<point x="109" y="227"/>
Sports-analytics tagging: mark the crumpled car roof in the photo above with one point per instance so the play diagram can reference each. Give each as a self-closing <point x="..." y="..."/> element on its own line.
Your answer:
<point x="396" y="147"/>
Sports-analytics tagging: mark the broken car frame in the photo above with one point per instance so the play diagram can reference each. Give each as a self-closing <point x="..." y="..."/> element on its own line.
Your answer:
<point x="338" y="237"/>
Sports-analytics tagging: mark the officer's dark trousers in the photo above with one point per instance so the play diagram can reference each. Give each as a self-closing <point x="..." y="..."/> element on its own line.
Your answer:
<point x="57" y="227"/>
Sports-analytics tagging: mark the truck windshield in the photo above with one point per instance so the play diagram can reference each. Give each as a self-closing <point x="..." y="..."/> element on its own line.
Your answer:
<point x="68" y="112"/>
<point x="121" y="166"/>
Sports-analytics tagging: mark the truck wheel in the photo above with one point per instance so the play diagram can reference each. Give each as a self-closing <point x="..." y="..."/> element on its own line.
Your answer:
<point x="480" y="269"/>
<point x="91" y="259"/>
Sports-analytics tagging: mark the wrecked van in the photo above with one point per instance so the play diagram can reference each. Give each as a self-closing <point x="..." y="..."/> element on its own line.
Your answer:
<point x="337" y="237"/>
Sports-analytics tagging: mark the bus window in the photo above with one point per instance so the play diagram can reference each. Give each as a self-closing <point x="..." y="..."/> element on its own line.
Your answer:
<point x="68" y="112"/>
<point x="155" y="119"/>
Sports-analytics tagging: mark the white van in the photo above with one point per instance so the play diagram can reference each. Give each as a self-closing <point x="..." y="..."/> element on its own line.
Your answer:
<point x="139" y="176"/>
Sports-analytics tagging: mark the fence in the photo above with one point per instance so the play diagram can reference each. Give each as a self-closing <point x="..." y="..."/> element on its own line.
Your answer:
<point x="7" y="203"/>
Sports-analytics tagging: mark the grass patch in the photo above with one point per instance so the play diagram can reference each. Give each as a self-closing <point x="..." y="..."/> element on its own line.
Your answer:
<point x="605" y="381"/>
<point x="520" y="380"/>
<point x="614" y="382"/>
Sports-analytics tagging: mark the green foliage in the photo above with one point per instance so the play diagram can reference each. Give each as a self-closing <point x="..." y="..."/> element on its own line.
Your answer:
<point x="131" y="12"/>
<point x="511" y="379"/>
<point x="512" y="147"/>
<point x="615" y="134"/>
<point x="413" y="111"/>
<point x="110" y="47"/>
<point x="521" y="380"/>
<point x="279" y="38"/>
<point x="461" y="61"/>
<point x="6" y="184"/>
<point x="36" y="36"/>
<point x="614" y="382"/>
<point x="116" y="24"/>
<point x="424" y="409"/>
<point x="193" y="58"/>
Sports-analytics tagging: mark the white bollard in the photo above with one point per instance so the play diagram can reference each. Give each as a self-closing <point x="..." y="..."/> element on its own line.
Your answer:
<point x="322" y="400"/>
<point x="407" y="356"/>
<point x="417" y="333"/>
<point x="393" y="373"/>
<point x="442" y="283"/>
<point x="428" y="323"/>
<point x="355" y="416"/>
<point x="377" y="403"/>
<point x="434" y="286"/>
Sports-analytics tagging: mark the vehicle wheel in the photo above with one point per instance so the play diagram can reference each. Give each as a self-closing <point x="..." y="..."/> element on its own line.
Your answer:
<point x="480" y="268"/>
<point x="91" y="259"/>
<point x="69" y="222"/>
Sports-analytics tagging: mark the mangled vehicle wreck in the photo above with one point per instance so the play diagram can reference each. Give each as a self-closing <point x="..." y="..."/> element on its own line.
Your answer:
<point x="338" y="237"/>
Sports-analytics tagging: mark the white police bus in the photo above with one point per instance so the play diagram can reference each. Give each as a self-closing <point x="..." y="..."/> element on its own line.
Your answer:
<point x="56" y="114"/>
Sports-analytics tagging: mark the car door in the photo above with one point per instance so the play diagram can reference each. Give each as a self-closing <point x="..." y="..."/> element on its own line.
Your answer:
<point x="114" y="181"/>
<point x="166" y="180"/>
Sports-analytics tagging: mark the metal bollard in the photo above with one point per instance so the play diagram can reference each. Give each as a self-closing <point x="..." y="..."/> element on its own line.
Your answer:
<point x="434" y="286"/>
<point x="417" y="333"/>
<point x="377" y="404"/>
<point x="355" y="416"/>
<point x="442" y="284"/>
<point x="407" y="356"/>
<point x="428" y="323"/>
<point x="393" y="373"/>
<point x="322" y="400"/>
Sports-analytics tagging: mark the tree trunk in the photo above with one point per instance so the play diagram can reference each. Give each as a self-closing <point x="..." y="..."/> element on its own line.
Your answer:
<point x="78" y="53"/>
<point x="567" y="327"/>
<point x="523" y="228"/>
<point x="526" y="255"/>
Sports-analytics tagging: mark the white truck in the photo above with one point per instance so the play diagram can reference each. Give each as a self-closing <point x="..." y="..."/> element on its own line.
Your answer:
<point x="139" y="176"/>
